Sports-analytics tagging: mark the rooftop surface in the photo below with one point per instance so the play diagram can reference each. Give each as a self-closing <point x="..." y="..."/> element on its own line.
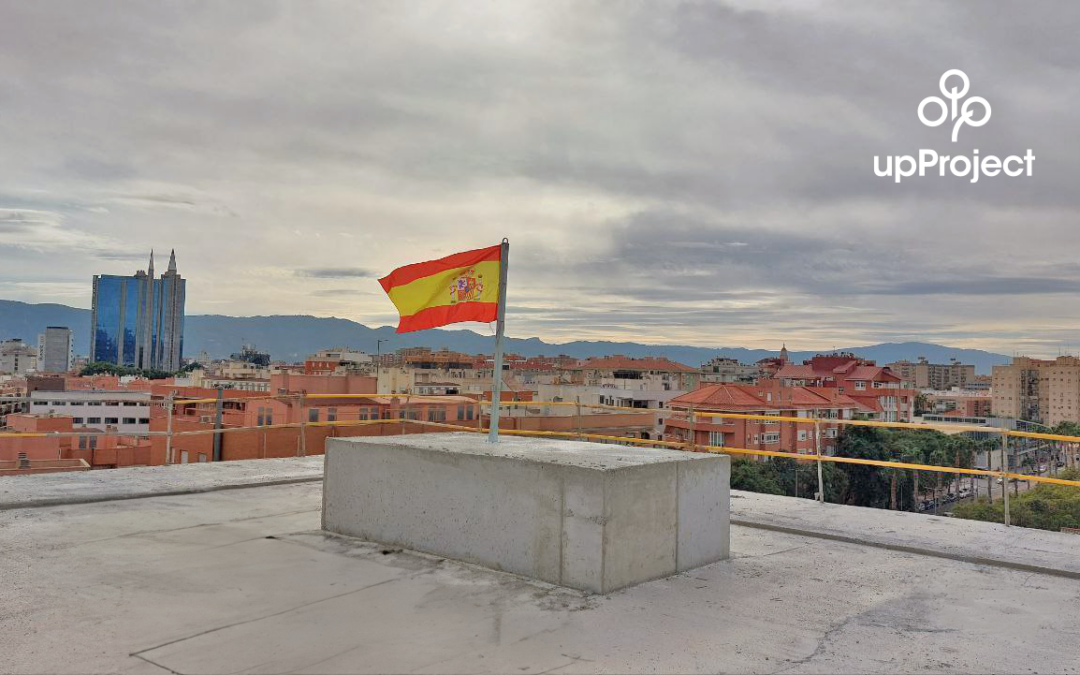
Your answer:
<point x="598" y="456"/>
<point x="240" y="579"/>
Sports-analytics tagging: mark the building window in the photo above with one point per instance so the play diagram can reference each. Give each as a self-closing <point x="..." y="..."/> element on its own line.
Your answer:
<point x="313" y="415"/>
<point x="144" y="420"/>
<point x="802" y="434"/>
<point x="93" y="420"/>
<point x="331" y="414"/>
<point x="860" y="386"/>
<point x="130" y="420"/>
<point x="112" y="420"/>
<point x="82" y="442"/>
<point x="770" y="438"/>
<point x="436" y="415"/>
<point x="716" y="438"/>
<point x="78" y="420"/>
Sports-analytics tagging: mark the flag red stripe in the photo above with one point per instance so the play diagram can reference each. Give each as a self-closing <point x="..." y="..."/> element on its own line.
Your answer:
<point x="409" y="273"/>
<point x="441" y="315"/>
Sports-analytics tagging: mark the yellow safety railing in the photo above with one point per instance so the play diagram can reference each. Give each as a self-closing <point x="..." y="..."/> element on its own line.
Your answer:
<point x="692" y="417"/>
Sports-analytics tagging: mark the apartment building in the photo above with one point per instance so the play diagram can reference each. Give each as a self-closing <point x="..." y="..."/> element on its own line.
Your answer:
<point x="623" y="372"/>
<point x="54" y="453"/>
<point x="1037" y="390"/>
<point x="127" y="412"/>
<point x="56" y="350"/>
<point x="939" y="376"/>
<point x="233" y="374"/>
<point x="655" y="399"/>
<point x="723" y="370"/>
<point x="17" y="357"/>
<point x="328" y="361"/>
<point x="959" y="403"/>
<point x="880" y="393"/>
<point x="12" y="389"/>
<point x="769" y="398"/>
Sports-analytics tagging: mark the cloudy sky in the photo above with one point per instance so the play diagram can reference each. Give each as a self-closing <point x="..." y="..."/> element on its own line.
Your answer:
<point x="670" y="172"/>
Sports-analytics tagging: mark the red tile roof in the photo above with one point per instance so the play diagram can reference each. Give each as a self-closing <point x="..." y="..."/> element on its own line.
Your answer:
<point x="797" y="371"/>
<point x="734" y="397"/>
<point x="806" y="371"/>
<point x="872" y="373"/>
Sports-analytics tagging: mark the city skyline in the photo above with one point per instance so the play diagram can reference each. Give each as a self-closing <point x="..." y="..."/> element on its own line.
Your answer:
<point x="689" y="173"/>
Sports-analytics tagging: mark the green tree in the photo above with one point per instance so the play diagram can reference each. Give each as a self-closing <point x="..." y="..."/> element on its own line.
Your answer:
<point x="785" y="476"/>
<point x="897" y="488"/>
<point x="753" y="476"/>
<point x="1045" y="507"/>
<point x="103" y="368"/>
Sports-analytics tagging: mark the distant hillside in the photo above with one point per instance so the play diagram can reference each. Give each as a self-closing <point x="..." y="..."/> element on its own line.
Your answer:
<point x="292" y="338"/>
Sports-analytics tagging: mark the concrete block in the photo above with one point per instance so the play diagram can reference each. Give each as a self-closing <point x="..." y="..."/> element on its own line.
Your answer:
<point x="584" y="515"/>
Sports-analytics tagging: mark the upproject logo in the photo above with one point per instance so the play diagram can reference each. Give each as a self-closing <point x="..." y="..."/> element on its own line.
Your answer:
<point x="935" y="111"/>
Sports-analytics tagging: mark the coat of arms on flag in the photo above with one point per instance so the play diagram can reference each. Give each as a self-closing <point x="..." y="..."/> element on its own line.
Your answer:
<point x="468" y="287"/>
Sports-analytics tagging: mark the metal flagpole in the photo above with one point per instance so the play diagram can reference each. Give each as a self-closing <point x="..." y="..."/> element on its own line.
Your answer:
<point x="500" y="324"/>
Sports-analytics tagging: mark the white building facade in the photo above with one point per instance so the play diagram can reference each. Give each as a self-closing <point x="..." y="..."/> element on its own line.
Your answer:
<point x="128" y="412"/>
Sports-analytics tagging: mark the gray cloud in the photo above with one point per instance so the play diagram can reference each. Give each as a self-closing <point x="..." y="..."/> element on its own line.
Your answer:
<point x="334" y="273"/>
<point x="689" y="171"/>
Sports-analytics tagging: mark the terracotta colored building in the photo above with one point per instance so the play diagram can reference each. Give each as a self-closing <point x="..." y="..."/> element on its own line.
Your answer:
<point x="768" y="398"/>
<point x="960" y="404"/>
<point x="878" y="391"/>
<point x="77" y="449"/>
<point x="252" y="421"/>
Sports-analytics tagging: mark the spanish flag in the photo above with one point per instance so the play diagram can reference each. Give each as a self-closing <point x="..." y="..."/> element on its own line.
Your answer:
<point x="459" y="287"/>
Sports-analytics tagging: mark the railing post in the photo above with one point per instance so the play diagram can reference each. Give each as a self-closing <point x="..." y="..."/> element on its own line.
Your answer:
<point x="169" y="405"/>
<point x="219" y="411"/>
<point x="817" y="448"/>
<point x="693" y="432"/>
<point x="1004" y="479"/>
<point x="577" y="417"/>
<point x="303" y="427"/>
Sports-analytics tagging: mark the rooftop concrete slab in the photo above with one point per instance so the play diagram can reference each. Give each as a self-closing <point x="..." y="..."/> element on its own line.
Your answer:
<point x="597" y="456"/>
<point x="242" y="580"/>
<point x="1020" y="548"/>
<point x="53" y="489"/>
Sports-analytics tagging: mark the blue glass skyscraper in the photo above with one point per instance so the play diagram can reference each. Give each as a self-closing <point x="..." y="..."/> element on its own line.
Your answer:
<point x="139" y="320"/>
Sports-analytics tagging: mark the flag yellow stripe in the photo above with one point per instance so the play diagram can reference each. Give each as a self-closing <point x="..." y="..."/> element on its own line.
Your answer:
<point x="434" y="290"/>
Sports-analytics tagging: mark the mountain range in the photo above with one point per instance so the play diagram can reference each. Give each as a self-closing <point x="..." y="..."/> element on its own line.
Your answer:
<point x="293" y="337"/>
